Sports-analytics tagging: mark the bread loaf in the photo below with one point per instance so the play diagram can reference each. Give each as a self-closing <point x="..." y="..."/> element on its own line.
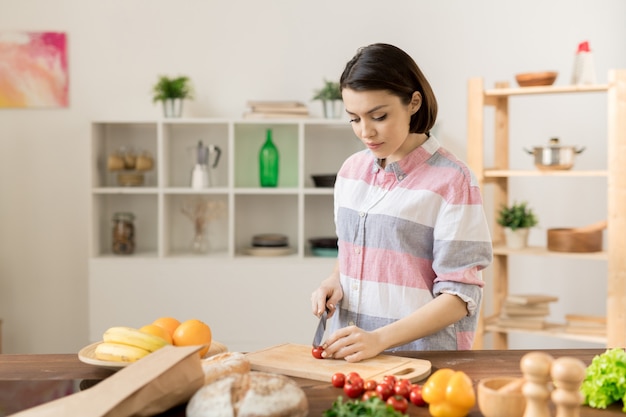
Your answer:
<point x="251" y="394"/>
<point x="223" y="364"/>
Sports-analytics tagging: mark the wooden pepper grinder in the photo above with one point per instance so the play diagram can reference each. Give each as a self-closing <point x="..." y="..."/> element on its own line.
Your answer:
<point x="536" y="368"/>
<point x="567" y="376"/>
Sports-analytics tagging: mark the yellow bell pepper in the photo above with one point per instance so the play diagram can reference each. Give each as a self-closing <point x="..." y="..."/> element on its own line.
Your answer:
<point x="449" y="393"/>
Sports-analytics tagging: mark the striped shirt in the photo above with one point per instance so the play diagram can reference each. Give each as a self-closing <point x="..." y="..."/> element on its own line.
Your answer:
<point x="407" y="233"/>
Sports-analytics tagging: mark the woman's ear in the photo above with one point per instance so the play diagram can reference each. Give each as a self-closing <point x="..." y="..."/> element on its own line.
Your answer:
<point x="416" y="102"/>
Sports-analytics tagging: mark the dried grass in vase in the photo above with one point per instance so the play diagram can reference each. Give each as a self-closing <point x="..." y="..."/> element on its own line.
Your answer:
<point x="201" y="211"/>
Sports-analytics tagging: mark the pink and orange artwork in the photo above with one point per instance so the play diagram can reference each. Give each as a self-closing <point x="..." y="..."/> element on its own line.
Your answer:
<point x="33" y="69"/>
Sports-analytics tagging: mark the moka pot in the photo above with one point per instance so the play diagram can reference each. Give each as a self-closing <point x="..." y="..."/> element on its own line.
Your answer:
<point x="202" y="175"/>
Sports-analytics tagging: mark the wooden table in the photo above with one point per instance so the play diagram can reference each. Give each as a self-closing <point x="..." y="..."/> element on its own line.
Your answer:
<point x="477" y="364"/>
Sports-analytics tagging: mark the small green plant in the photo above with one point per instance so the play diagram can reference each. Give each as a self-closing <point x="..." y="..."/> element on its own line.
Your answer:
<point x="517" y="216"/>
<point x="171" y="88"/>
<point x="330" y="91"/>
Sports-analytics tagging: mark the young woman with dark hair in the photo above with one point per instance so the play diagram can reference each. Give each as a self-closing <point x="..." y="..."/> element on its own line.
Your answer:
<point x="413" y="237"/>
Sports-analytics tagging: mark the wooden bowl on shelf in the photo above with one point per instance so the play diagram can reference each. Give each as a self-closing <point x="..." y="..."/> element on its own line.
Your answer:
<point x="578" y="240"/>
<point x="535" y="79"/>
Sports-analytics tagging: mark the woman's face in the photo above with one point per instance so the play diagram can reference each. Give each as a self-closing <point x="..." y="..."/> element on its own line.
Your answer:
<point x="381" y="121"/>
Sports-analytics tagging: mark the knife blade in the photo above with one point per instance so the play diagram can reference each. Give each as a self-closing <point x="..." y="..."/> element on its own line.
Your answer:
<point x="321" y="328"/>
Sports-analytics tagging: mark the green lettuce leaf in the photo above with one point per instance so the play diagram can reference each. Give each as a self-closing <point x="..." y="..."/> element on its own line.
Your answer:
<point x="605" y="379"/>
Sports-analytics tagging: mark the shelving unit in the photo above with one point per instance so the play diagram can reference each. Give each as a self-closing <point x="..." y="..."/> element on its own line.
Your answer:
<point x="306" y="147"/>
<point x="164" y="268"/>
<point x="498" y="177"/>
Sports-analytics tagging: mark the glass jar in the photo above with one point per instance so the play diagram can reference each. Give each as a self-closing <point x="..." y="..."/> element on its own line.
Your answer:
<point x="123" y="233"/>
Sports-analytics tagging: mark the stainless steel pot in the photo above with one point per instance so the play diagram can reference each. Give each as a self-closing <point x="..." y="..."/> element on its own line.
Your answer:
<point x="554" y="156"/>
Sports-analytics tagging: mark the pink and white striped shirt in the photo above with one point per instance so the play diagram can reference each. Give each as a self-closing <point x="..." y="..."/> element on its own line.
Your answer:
<point x="408" y="233"/>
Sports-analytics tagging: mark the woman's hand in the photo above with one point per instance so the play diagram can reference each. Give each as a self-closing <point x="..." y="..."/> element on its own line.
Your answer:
<point x="352" y="344"/>
<point x="327" y="295"/>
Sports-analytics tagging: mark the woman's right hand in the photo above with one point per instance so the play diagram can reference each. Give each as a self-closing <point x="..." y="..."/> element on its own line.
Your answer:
<point x="327" y="295"/>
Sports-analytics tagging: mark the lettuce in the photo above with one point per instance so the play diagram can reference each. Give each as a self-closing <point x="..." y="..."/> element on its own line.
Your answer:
<point x="605" y="379"/>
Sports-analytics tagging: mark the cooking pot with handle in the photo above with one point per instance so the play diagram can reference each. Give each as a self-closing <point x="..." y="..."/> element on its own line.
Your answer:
<point x="554" y="156"/>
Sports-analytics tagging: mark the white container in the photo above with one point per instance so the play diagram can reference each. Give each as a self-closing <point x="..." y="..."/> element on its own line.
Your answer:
<point x="584" y="68"/>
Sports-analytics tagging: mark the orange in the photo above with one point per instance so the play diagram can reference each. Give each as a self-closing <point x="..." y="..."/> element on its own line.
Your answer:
<point x="193" y="332"/>
<point x="168" y="323"/>
<point x="157" y="331"/>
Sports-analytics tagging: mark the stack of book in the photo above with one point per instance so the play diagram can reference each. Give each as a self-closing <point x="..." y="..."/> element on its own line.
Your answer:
<point x="528" y="311"/>
<point x="582" y="324"/>
<point x="275" y="110"/>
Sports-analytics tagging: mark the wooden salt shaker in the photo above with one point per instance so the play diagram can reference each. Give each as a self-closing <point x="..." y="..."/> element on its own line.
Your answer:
<point x="536" y="368"/>
<point x="567" y="376"/>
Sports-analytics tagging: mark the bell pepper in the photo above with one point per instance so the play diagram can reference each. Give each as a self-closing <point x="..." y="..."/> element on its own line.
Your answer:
<point x="449" y="393"/>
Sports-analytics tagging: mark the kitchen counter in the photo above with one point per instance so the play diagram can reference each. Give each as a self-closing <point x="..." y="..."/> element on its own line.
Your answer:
<point x="477" y="364"/>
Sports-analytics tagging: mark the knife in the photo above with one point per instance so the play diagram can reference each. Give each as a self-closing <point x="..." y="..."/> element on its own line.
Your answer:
<point x="321" y="328"/>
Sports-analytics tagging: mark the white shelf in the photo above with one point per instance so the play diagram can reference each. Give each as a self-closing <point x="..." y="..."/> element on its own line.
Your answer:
<point x="295" y="208"/>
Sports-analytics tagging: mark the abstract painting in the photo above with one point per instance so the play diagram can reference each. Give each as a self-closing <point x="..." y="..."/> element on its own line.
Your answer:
<point x="33" y="69"/>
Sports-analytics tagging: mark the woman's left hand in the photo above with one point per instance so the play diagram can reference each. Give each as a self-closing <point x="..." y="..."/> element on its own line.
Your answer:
<point x="352" y="344"/>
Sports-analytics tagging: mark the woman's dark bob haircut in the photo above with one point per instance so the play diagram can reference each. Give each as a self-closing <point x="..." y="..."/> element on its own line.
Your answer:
<point x="385" y="67"/>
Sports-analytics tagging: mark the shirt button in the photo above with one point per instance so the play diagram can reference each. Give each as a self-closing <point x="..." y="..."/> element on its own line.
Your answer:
<point x="401" y="177"/>
<point x="362" y="214"/>
<point x="357" y="251"/>
<point x="355" y="286"/>
<point x="351" y="323"/>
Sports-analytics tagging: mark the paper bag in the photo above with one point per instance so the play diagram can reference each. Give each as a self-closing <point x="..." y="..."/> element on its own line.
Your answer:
<point x="152" y="385"/>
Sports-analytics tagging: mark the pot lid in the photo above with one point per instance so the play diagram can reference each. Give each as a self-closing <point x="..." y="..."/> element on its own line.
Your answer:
<point x="554" y="143"/>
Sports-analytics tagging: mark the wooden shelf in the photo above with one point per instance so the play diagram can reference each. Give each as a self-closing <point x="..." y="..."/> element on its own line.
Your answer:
<point x="499" y="174"/>
<point x="552" y="330"/>
<point x="501" y="249"/>
<point x="507" y="173"/>
<point x="559" y="89"/>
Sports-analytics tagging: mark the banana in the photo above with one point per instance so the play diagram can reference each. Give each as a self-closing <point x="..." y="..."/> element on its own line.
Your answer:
<point x="133" y="337"/>
<point x="118" y="352"/>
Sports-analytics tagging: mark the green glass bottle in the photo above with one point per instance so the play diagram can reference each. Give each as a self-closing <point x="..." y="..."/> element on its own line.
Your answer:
<point x="268" y="162"/>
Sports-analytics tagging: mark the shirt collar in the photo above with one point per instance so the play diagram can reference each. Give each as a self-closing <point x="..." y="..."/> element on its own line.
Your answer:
<point x="411" y="161"/>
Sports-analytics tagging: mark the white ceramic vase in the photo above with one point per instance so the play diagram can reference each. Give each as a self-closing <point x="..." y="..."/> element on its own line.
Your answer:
<point x="173" y="107"/>
<point x="332" y="108"/>
<point x="516" y="239"/>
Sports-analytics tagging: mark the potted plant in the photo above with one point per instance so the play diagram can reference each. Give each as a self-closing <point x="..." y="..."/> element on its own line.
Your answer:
<point x="330" y="95"/>
<point x="172" y="92"/>
<point x="517" y="220"/>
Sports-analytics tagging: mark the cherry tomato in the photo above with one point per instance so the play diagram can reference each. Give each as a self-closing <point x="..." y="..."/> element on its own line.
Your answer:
<point x="353" y="387"/>
<point x="338" y="380"/>
<point x="384" y="390"/>
<point x="369" y="394"/>
<point x="390" y="379"/>
<point x="402" y="388"/>
<point x="399" y="403"/>
<point x="317" y="352"/>
<point x="369" y="385"/>
<point x="416" y="396"/>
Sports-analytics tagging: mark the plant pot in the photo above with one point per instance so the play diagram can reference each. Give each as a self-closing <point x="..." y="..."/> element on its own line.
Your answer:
<point x="173" y="107"/>
<point x="332" y="108"/>
<point x="516" y="239"/>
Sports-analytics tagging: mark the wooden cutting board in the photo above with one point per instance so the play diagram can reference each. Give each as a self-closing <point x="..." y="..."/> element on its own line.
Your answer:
<point x="296" y="360"/>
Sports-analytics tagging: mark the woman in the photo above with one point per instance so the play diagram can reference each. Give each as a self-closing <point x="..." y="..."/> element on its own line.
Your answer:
<point x="412" y="232"/>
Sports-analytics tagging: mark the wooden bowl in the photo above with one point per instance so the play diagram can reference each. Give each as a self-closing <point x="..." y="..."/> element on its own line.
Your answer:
<point x="534" y="79"/>
<point x="573" y="240"/>
<point x="496" y="400"/>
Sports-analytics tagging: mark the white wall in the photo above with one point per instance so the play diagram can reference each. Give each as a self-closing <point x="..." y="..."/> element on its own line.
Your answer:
<point x="276" y="49"/>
